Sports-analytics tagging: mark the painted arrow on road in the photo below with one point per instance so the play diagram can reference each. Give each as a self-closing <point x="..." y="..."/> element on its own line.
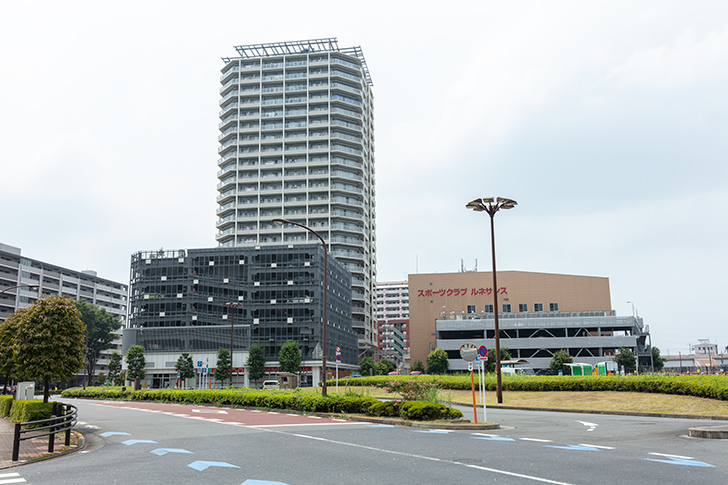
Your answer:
<point x="203" y="465"/>
<point x="491" y="437"/>
<point x="591" y="426"/>
<point x="112" y="433"/>
<point x="134" y="442"/>
<point x="442" y="431"/>
<point x="678" y="460"/>
<point x="164" y="451"/>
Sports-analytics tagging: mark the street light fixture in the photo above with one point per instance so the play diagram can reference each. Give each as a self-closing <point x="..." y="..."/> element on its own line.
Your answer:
<point x="491" y="206"/>
<point x="232" y="305"/>
<point x="18" y="286"/>
<point x="281" y="222"/>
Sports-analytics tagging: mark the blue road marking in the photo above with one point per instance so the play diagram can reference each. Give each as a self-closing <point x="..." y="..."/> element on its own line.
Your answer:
<point x="574" y="447"/>
<point x="164" y="451"/>
<point x="112" y="433"/>
<point x="441" y="431"/>
<point x="134" y="442"/>
<point x="203" y="465"/>
<point x="680" y="461"/>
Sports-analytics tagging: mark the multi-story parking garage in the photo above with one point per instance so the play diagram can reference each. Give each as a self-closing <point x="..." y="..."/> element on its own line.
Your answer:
<point x="196" y="300"/>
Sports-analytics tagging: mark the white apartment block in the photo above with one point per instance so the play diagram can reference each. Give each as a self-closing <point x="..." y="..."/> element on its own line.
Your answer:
<point x="297" y="142"/>
<point x="38" y="279"/>
<point x="392" y="301"/>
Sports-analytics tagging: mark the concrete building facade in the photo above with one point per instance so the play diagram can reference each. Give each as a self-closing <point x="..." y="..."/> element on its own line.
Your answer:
<point x="539" y="314"/>
<point x="16" y="269"/>
<point x="392" y="300"/>
<point x="182" y="301"/>
<point x="297" y="142"/>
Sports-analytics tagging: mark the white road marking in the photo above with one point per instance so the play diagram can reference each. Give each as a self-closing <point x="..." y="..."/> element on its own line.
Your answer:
<point x="673" y="456"/>
<point x="591" y="426"/>
<point x="536" y="440"/>
<point x="600" y="447"/>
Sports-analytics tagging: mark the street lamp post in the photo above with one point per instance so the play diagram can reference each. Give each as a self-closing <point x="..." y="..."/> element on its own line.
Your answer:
<point x="281" y="222"/>
<point x="491" y="206"/>
<point x="232" y="305"/>
<point x="18" y="286"/>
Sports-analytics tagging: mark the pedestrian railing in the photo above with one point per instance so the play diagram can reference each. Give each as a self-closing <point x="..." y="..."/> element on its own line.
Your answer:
<point x="64" y="418"/>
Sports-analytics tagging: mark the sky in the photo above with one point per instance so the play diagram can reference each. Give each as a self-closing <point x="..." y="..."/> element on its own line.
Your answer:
<point x="605" y="120"/>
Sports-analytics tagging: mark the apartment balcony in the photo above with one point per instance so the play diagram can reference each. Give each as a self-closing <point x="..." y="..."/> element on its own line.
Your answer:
<point x="228" y="109"/>
<point x="227" y="74"/>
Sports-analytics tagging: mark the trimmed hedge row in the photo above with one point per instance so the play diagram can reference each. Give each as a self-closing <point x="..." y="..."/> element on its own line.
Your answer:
<point x="297" y="401"/>
<point x="711" y="387"/>
<point x="5" y="403"/>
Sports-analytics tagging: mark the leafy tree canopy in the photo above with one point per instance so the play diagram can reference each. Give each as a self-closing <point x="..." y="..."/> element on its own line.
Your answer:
<point x="7" y="343"/>
<point x="185" y="366"/>
<point x="384" y="367"/>
<point x="489" y="364"/>
<point x="101" y="328"/>
<point x="418" y="366"/>
<point x="223" y="370"/>
<point x="625" y="358"/>
<point x="49" y="343"/>
<point x="558" y="361"/>
<point x="366" y="366"/>
<point x="437" y="362"/>
<point x="657" y="361"/>
<point x="115" y="367"/>
<point x="256" y="362"/>
<point x="135" y="364"/>
<point x="289" y="357"/>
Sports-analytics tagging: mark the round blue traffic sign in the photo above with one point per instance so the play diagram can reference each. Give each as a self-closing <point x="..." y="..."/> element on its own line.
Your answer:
<point x="482" y="351"/>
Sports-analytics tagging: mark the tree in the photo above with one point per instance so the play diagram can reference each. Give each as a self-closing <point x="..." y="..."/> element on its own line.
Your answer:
<point x="625" y="358"/>
<point x="384" y="367"/>
<point x="223" y="370"/>
<point x="289" y="357"/>
<point x="437" y="362"/>
<point x="136" y="365"/>
<point x="558" y="361"/>
<point x="657" y="361"/>
<point x="115" y="367"/>
<point x="489" y="364"/>
<point x="256" y="363"/>
<point x="101" y="327"/>
<point x="7" y="342"/>
<point x="49" y="341"/>
<point x="101" y="379"/>
<point x="366" y="367"/>
<point x="185" y="367"/>
<point x="418" y="366"/>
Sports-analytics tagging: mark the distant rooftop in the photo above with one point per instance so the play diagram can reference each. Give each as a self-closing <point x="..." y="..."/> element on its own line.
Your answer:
<point x="329" y="44"/>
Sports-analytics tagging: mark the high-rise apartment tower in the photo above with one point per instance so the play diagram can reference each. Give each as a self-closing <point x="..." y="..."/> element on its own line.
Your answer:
<point x="297" y="142"/>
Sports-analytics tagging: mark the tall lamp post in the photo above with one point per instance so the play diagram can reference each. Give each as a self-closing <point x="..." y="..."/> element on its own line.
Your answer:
<point x="232" y="305"/>
<point x="18" y="286"/>
<point x="491" y="206"/>
<point x="281" y="222"/>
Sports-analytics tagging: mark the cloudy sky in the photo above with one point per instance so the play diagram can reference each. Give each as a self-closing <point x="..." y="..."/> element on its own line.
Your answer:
<point x="606" y="121"/>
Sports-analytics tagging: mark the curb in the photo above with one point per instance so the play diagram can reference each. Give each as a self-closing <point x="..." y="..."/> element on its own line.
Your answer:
<point x="616" y="413"/>
<point x="709" y="432"/>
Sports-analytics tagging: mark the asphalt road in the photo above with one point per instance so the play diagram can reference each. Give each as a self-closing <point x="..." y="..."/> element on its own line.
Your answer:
<point x="155" y="443"/>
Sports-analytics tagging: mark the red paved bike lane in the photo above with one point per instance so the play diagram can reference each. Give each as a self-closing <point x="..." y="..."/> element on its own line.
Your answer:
<point x="233" y="416"/>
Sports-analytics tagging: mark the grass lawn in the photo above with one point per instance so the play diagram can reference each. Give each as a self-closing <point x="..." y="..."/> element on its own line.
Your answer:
<point x="589" y="400"/>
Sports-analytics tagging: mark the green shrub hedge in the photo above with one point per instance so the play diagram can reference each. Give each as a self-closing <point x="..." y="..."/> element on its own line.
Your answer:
<point x="6" y="403"/>
<point x="30" y="410"/>
<point x="712" y="387"/>
<point x="294" y="400"/>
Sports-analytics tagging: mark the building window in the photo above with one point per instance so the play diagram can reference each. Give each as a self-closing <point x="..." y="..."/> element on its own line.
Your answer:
<point x="522" y="307"/>
<point x="553" y="307"/>
<point x="471" y="308"/>
<point x="538" y="307"/>
<point x="488" y="309"/>
<point x="506" y="308"/>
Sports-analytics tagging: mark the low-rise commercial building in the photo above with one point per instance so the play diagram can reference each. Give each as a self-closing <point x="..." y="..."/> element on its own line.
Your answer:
<point x="539" y="314"/>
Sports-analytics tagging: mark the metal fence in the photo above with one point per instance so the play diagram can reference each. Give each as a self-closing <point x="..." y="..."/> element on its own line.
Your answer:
<point x="64" y="418"/>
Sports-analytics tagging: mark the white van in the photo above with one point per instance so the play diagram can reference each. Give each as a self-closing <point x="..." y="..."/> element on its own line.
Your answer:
<point x="271" y="384"/>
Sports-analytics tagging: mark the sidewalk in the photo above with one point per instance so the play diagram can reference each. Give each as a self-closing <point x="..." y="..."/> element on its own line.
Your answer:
<point x="31" y="449"/>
